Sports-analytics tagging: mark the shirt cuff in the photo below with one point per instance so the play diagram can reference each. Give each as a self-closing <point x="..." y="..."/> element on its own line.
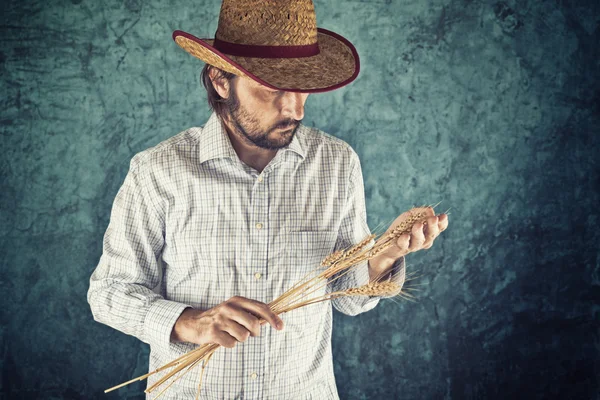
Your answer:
<point x="159" y="323"/>
<point x="362" y="277"/>
<point x="396" y="275"/>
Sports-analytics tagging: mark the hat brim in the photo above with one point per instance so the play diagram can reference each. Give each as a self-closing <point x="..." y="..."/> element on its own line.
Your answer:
<point x="336" y="65"/>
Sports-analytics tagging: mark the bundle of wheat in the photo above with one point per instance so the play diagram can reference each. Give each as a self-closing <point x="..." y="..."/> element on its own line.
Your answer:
<point x="337" y="264"/>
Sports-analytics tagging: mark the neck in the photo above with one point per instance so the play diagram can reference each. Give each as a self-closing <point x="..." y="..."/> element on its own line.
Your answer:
<point x="249" y="153"/>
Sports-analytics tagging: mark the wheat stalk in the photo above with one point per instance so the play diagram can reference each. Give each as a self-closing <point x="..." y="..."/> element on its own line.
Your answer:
<point x="337" y="263"/>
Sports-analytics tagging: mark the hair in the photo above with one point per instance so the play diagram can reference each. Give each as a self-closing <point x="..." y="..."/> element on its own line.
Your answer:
<point x="215" y="101"/>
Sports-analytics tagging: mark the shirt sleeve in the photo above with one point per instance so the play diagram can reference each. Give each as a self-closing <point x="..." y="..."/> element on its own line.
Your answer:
<point x="353" y="229"/>
<point x="124" y="288"/>
<point x="396" y="275"/>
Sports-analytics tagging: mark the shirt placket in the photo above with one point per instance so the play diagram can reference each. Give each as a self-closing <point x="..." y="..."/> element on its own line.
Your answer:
<point x="255" y="348"/>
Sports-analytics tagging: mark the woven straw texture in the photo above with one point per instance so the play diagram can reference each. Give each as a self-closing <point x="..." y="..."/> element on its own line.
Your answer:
<point x="334" y="64"/>
<point x="268" y="23"/>
<point x="276" y="23"/>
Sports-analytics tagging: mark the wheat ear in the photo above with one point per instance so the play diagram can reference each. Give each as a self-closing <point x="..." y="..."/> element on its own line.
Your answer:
<point x="340" y="261"/>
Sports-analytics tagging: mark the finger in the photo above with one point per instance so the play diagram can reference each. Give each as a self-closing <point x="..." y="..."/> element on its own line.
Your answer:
<point x="403" y="242"/>
<point x="247" y="320"/>
<point x="242" y="316"/>
<point x="223" y="338"/>
<point x="237" y="331"/>
<point x="431" y="229"/>
<point x="262" y="310"/>
<point x="443" y="222"/>
<point x="416" y="238"/>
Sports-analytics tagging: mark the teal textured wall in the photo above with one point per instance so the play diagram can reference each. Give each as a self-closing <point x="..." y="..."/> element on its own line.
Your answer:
<point x="491" y="107"/>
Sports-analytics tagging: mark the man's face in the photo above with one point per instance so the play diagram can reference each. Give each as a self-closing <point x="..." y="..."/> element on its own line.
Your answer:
<point x="262" y="116"/>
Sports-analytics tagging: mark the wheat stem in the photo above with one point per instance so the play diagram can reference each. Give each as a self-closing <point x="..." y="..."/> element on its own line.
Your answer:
<point x="338" y="264"/>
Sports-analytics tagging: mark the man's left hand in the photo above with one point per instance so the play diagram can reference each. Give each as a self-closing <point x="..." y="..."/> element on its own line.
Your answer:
<point x="422" y="236"/>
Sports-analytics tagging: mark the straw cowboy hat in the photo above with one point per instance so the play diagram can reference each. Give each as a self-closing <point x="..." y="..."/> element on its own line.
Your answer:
<point x="276" y="43"/>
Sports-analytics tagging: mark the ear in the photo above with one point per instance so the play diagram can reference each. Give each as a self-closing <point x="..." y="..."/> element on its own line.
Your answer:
<point x="221" y="85"/>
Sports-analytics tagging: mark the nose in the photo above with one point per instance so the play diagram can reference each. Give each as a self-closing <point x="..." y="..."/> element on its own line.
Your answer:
<point x="293" y="105"/>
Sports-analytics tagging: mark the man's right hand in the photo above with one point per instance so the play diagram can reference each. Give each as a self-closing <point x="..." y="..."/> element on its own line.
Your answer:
<point x="226" y="324"/>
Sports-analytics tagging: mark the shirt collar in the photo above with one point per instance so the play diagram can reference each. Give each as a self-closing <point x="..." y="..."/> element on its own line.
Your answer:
<point x="215" y="143"/>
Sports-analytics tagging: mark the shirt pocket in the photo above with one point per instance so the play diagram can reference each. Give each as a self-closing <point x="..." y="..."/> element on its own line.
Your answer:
<point x="305" y="251"/>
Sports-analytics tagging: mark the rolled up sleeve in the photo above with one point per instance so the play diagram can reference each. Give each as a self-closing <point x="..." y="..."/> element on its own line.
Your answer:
<point x="353" y="229"/>
<point x="124" y="291"/>
<point x="396" y="275"/>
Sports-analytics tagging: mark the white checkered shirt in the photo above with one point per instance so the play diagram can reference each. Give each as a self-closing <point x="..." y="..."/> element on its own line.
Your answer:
<point x="192" y="225"/>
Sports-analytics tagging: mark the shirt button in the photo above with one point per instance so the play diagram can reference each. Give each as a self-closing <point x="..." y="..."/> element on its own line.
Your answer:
<point x="257" y="275"/>
<point x="260" y="178"/>
<point x="259" y="225"/>
<point x="254" y="375"/>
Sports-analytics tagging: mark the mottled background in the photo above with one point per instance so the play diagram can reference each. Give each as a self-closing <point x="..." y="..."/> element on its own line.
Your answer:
<point x="492" y="108"/>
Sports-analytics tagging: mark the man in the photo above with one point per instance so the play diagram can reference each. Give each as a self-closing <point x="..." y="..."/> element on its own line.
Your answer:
<point x="212" y="224"/>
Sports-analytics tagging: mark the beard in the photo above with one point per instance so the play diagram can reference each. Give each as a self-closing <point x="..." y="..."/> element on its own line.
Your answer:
<point x="248" y="127"/>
